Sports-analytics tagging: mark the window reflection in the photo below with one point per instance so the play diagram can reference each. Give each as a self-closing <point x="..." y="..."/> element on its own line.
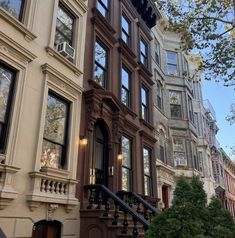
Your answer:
<point x="54" y="139"/>
<point x="126" y="164"/>
<point x="125" y="93"/>
<point x="100" y="64"/>
<point x="6" y="90"/>
<point x="14" y="7"/>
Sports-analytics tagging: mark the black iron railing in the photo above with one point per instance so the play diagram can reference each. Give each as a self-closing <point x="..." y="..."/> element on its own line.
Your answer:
<point x="141" y="205"/>
<point x="100" y="197"/>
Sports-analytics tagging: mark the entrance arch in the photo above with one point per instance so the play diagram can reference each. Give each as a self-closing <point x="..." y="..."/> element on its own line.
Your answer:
<point x="47" y="229"/>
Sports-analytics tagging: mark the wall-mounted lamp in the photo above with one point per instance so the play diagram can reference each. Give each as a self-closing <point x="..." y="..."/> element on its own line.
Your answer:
<point x="83" y="141"/>
<point x="120" y="157"/>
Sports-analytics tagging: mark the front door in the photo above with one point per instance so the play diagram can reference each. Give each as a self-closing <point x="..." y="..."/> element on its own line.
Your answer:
<point x="100" y="154"/>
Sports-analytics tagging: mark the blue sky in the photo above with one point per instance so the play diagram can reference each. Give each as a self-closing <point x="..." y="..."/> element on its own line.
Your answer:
<point x="221" y="98"/>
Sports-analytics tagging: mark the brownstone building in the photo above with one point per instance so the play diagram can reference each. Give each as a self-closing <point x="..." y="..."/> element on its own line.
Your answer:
<point x="117" y="117"/>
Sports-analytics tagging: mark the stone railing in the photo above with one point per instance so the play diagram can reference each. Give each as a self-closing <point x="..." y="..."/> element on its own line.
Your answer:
<point x="52" y="186"/>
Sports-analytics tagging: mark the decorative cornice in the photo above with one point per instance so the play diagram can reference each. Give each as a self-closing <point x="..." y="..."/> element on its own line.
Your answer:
<point x="127" y="53"/>
<point x="48" y="69"/>
<point x="29" y="36"/>
<point x="7" y="44"/>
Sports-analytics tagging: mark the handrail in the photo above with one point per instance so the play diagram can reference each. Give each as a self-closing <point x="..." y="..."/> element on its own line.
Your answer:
<point x="145" y="203"/>
<point x="139" y="199"/>
<point x="120" y="202"/>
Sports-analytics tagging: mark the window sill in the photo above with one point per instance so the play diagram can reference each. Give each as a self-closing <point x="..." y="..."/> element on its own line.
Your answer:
<point x="63" y="60"/>
<point x="127" y="52"/>
<point x="95" y="84"/>
<point x="146" y="123"/>
<point x="130" y="111"/>
<point x="144" y="71"/>
<point x="29" y="36"/>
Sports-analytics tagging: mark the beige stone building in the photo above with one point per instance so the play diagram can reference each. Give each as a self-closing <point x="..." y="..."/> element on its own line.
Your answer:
<point x="41" y="78"/>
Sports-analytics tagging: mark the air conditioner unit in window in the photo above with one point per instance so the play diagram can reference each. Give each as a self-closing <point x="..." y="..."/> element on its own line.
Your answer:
<point x="66" y="50"/>
<point x="181" y="162"/>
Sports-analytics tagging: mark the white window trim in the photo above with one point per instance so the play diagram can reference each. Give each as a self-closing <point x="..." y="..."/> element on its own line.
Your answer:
<point x="66" y="88"/>
<point x="26" y="27"/>
<point x="177" y="64"/>
<point x="78" y="9"/>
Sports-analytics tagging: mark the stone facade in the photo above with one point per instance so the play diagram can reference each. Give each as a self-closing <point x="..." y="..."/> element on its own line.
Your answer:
<point x="37" y="190"/>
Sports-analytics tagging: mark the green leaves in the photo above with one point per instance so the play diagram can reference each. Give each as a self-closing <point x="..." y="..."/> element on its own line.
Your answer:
<point x="190" y="217"/>
<point x="206" y="26"/>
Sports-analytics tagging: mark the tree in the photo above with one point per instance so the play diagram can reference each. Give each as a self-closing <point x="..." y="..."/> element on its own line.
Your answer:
<point x="219" y="223"/>
<point x="207" y="26"/>
<point x="190" y="217"/>
<point x="182" y="219"/>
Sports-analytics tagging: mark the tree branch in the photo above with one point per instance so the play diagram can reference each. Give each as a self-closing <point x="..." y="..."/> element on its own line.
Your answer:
<point x="225" y="32"/>
<point x="211" y="18"/>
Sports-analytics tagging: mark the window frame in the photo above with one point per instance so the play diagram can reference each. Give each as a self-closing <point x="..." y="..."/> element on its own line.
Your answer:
<point x="172" y="64"/>
<point x="123" y="31"/>
<point x="144" y="112"/>
<point x="104" y="69"/>
<point x="4" y="133"/>
<point x="148" y="177"/>
<point x="62" y="163"/>
<point x="159" y="94"/>
<point x="130" y="169"/>
<point x="177" y="106"/>
<point x="157" y="53"/>
<point x="127" y="90"/>
<point x="176" y="151"/>
<point x="190" y="109"/>
<point x="73" y="17"/>
<point x="144" y="54"/>
<point x="21" y="14"/>
<point x="106" y="8"/>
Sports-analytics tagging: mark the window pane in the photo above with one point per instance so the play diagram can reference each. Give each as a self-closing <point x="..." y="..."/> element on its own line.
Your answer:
<point x="65" y="18"/>
<point x="143" y="47"/>
<point x="125" y="78"/>
<point x="172" y="69"/>
<point x="64" y="26"/>
<point x="55" y="120"/>
<point x="147" y="186"/>
<point x="171" y="57"/>
<point x="178" y="144"/>
<point x="176" y="111"/>
<point x="6" y="80"/>
<point x="13" y="7"/>
<point x="126" y="152"/>
<point x="126" y="179"/>
<point x="125" y="97"/>
<point x="51" y="154"/>
<point x="102" y="6"/>
<point x="175" y="98"/>
<point x="100" y="54"/>
<point x="125" y="24"/>
<point x="99" y="75"/>
<point x="143" y="96"/>
<point x="146" y="162"/>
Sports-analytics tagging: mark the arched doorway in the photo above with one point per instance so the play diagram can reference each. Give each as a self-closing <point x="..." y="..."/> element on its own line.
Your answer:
<point x="100" y="154"/>
<point x="47" y="229"/>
